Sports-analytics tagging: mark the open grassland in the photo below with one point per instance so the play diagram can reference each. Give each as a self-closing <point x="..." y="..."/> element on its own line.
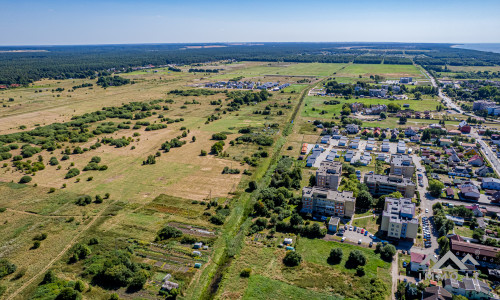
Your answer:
<point x="314" y="274"/>
<point x="387" y="71"/>
<point x="287" y="69"/>
<point x="474" y="68"/>
<point x="143" y="198"/>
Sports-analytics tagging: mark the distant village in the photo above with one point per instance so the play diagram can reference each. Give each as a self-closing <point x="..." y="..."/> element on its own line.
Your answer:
<point x="248" y="85"/>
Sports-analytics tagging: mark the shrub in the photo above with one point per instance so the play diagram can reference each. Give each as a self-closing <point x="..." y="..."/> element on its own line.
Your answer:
<point x="360" y="271"/>
<point x="219" y="136"/>
<point x="36" y="245"/>
<point x="6" y="267"/>
<point x="72" y="173"/>
<point x="53" y="161"/>
<point x="216" y="219"/>
<point x="335" y="256"/>
<point x="25" y="179"/>
<point x="203" y="153"/>
<point x="168" y="232"/>
<point x="98" y="199"/>
<point x="292" y="259"/>
<point x="246" y="272"/>
<point x="79" y="251"/>
<point x="93" y="241"/>
<point x="52" y="190"/>
<point x="83" y="200"/>
<point x="40" y="237"/>
<point x="356" y="258"/>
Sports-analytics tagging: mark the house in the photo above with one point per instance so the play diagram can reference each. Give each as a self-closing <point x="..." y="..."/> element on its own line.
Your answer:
<point x="410" y="132"/>
<point x="416" y="262"/>
<point x="333" y="224"/>
<point x="352" y="128"/>
<point x="385" y="147"/>
<point x="325" y="139"/>
<point x="377" y="92"/>
<point x="450" y="194"/>
<point x="470" y="288"/>
<point x="483" y="171"/>
<point x="464" y="127"/>
<point x="304" y="149"/>
<point x="469" y="192"/>
<point x="476" y="161"/>
<point x="454" y="132"/>
<point x="343" y="141"/>
<point x="436" y="293"/>
<point x="375" y="109"/>
<point x="405" y="79"/>
<point x="457" y="220"/>
<point x="398" y="218"/>
<point x="490" y="183"/>
<point x="401" y="147"/>
<point x="356" y="106"/>
<point x="445" y="142"/>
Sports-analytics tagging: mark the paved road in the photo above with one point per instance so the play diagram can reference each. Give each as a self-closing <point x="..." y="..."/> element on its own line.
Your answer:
<point x="447" y="99"/>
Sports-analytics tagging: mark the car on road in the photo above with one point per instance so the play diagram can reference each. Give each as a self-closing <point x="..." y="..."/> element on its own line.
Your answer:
<point x="426" y="210"/>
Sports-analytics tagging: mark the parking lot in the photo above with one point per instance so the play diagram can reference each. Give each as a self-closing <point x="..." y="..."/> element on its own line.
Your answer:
<point x="427" y="232"/>
<point x="353" y="234"/>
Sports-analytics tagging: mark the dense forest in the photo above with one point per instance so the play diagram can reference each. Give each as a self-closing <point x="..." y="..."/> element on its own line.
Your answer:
<point x="62" y="62"/>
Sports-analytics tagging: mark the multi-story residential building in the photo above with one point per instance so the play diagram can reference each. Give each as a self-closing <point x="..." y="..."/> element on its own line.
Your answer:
<point x="385" y="185"/>
<point x="482" y="105"/>
<point x="328" y="175"/>
<point x="402" y="165"/>
<point x="398" y="218"/>
<point x="483" y="254"/>
<point x="316" y="200"/>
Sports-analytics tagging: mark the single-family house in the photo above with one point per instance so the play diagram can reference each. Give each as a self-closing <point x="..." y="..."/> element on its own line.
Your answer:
<point x="417" y="262"/>
<point x="483" y="171"/>
<point x="490" y="183"/>
<point x="450" y="194"/>
<point x="436" y="293"/>
<point x="410" y="132"/>
<point x="476" y="161"/>
<point x="445" y="142"/>
<point x="352" y="128"/>
<point x="457" y="220"/>
<point x="470" y="288"/>
<point x="469" y="192"/>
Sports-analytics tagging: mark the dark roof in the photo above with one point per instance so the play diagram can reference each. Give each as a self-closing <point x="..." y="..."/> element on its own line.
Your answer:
<point x="436" y="292"/>
<point x="471" y="248"/>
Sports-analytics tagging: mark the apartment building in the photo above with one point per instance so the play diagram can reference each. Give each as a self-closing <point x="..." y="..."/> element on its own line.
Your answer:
<point x="328" y="175"/>
<point x="483" y="105"/>
<point x="322" y="201"/>
<point x="383" y="185"/>
<point x="402" y="165"/>
<point x="398" y="218"/>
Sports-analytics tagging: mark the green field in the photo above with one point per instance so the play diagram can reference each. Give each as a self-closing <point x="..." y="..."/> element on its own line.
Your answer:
<point x="387" y="71"/>
<point x="318" y="104"/>
<point x="290" y="69"/>
<point x="260" y="287"/>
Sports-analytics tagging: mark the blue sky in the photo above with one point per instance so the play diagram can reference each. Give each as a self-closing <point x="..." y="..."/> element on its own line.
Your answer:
<point x="66" y="22"/>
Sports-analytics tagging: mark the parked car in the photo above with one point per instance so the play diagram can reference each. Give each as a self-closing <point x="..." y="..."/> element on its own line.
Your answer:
<point x="404" y="264"/>
<point x="371" y="244"/>
<point x="343" y="239"/>
<point x="359" y="242"/>
<point x="366" y="233"/>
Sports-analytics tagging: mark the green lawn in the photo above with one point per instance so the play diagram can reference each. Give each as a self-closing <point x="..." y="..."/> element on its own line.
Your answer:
<point x="367" y="223"/>
<point x="260" y="287"/>
<point x="463" y="231"/>
<point x="317" y="251"/>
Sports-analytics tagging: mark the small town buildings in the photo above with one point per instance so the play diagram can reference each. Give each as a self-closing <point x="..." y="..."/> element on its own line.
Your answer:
<point x="490" y="183"/>
<point x="304" y="149"/>
<point x="405" y="79"/>
<point x="398" y="218"/>
<point x="385" y="146"/>
<point x="410" y="131"/>
<point x="316" y="200"/>
<point x="343" y="141"/>
<point x="356" y="107"/>
<point x="375" y="109"/>
<point x="401" y="147"/>
<point x="325" y="139"/>
<point x="483" y="105"/>
<point x="417" y="262"/>
<point x="470" y="288"/>
<point x="402" y="165"/>
<point x="384" y="185"/>
<point x="450" y="193"/>
<point x="329" y="175"/>
<point x="464" y="127"/>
